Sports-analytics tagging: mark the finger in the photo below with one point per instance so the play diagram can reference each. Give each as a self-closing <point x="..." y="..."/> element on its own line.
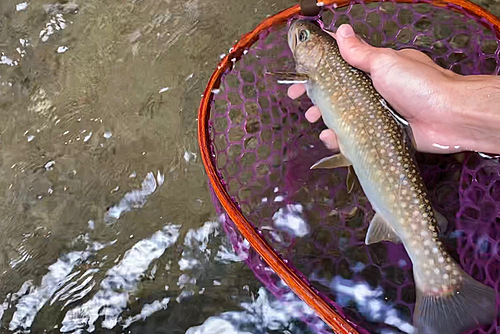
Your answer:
<point x="332" y="33"/>
<point x="313" y="114"/>
<point x="353" y="50"/>
<point x="329" y="138"/>
<point x="296" y="90"/>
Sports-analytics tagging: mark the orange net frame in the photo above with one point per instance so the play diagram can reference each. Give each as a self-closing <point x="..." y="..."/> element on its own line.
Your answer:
<point x="256" y="240"/>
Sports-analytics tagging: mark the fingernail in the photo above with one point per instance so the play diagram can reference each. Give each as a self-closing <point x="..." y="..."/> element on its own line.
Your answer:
<point x="345" y="31"/>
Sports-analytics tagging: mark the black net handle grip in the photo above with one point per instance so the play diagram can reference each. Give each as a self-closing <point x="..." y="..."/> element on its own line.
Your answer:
<point x="309" y="7"/>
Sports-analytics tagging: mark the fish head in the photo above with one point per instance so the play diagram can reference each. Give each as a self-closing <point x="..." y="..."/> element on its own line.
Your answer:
<point x="309" y="44"/>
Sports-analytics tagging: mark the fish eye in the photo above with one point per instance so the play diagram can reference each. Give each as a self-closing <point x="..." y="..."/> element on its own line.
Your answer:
<point x="303" y="35"/>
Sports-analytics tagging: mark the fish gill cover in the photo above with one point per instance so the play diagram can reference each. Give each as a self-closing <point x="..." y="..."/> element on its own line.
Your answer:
<point x="264" y="147"/>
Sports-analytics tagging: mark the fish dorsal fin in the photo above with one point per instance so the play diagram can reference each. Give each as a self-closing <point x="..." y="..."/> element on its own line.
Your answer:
<point x="400" y="119"/>
<point x="408" y="132"/>
<point x="331" y="162"/>
<point x="379" y="230"/>
<point x="402" y="122"/>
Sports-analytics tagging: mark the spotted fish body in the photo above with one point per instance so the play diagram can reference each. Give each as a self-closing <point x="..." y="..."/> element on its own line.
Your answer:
<point x="375" y="144"/>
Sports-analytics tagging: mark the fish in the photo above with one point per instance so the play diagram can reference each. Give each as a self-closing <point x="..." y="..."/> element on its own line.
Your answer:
<point x="377" y="144"/>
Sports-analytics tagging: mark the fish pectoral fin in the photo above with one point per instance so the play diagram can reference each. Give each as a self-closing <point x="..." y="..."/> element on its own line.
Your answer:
<point x="336" y="161"/>
<point x="333" y="161"/>
<point x="380" y="230"/>
<point x="289" y="77"/>
<point x="442" y="222"/>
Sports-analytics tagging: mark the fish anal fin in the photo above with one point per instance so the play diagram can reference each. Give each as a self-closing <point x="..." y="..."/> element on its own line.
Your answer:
<point x="333" y="161"/>
<point x="461" y="308"/>
<point x="380" y="230"/>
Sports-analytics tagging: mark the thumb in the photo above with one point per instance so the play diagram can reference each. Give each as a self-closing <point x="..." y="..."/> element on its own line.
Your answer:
<point x="353" y="50"/>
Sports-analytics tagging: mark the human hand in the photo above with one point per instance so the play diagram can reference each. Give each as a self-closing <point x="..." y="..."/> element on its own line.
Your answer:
<point x="435" y="101"/>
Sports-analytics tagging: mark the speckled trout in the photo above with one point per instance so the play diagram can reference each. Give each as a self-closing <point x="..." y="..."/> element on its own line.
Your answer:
<point x="376" y="143"/>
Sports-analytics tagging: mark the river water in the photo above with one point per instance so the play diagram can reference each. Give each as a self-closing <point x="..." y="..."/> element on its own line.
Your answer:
<point x="105" y="216"/>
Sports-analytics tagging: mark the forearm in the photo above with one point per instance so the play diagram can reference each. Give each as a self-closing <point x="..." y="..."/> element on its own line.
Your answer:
<point x="477" y="101"/>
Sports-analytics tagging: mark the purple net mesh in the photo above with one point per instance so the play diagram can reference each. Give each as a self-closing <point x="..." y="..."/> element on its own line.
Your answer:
<point x="264" y="148"/>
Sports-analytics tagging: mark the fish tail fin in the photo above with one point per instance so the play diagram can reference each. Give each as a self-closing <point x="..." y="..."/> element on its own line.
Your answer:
<point x="469" y="305"/>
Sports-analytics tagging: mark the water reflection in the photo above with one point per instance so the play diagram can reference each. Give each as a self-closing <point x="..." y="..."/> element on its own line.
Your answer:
<point x="135" y="198"/>
<point x="21" y="6"/>
<point x="59" y="274"/>
<point x="290" y="218"/>
<point x="146" y="311"/>
<point x="370" y="302"/>
<point x="262" y="315"/>
<point x="113" y="295"/>
<point x="196" y="240"/>
<point x="74" y="276"/>
<point x="4" y="60"/>
<point x="56" y="23"/>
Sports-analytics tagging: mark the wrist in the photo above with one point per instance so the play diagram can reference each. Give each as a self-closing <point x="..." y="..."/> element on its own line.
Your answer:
<point x="475" y="103"/>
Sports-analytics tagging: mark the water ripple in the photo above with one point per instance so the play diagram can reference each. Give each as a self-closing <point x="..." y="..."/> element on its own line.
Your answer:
<point x="30" y="304"/>
<point x="113" y="296"/>
<point x="74" y="291"/>
<point x="261" y="316"/>
<point x="370" y="302"/>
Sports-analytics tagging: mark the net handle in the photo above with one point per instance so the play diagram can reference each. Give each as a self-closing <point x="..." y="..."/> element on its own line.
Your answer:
<point x="309" y="7"/>
<point x="298" y="285"/>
